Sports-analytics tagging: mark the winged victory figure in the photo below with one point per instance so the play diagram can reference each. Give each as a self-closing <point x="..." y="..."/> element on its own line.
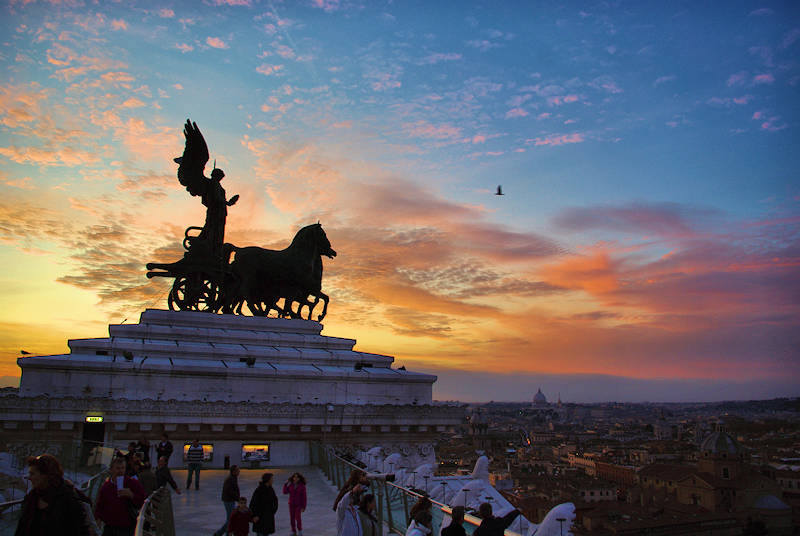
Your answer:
<point x="191" y="167"/>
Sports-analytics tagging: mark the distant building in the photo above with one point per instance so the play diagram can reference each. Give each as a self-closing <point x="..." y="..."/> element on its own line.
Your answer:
<point x="539" y="400"/>
<point x="722" y="482"/>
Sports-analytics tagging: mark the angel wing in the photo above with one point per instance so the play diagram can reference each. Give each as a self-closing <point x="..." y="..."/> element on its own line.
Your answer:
<point x="195" y="155"/>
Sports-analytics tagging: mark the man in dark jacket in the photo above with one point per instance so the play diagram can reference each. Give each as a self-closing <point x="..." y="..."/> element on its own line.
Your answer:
<point x="164" y="477"/>
<point x="164" y="448"/>
<point x="53" y="506"/>
<point x="456" y="526"/>
<point x="493" y="526"/>
<point x="230" y="494"/>
<point x="263" y="505"/>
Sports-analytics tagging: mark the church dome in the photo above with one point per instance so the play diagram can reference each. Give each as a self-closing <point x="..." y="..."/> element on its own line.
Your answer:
<point x="720" y="442"/>
<point x="539" y="399"/>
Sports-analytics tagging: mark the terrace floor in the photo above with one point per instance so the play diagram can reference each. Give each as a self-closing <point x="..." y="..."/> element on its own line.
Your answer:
<point x="202" y="512"/>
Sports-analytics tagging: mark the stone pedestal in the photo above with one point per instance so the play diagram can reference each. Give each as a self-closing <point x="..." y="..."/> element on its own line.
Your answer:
<point x="198" y="356"/>
<point x="227" y="380"/>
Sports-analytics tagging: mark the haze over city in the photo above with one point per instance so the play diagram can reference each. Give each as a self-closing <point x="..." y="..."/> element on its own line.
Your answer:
<point x="646" y="247"/>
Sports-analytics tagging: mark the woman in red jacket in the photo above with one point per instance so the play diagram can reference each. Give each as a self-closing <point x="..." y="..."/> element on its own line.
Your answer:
<point x="295" y="488"/>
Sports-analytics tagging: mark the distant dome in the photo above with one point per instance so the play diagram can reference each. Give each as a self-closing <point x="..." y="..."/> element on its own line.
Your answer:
<point x="539" y="399"/>
<point x="770" y="502"/>
<point x="720" y="442"/>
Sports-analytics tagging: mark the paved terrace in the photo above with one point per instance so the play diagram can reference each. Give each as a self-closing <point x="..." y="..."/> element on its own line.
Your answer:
<point x="202" y="511"/>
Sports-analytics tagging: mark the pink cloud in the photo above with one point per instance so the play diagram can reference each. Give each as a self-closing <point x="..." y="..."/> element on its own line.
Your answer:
<point x="558" y="140"/>
<point x="424" y="129"/>
<point x="773" y="124"/>
<point x="132" y="102"/>
<point x="25" y="183"/>
<point x="482" y="44"/>
<point x="385" y="81"/>
<point x="559" y="100"/>
<point x="119" y="24"/>
<point x="117" y="77"/>
<point x="606" y="83"/>
<point x="216" y="42"/>
<point x="65" y="156"/>
<point x="166" y="13"/>
<point x="663" y="80"/>
<point x="267" y="69"/>
<point x="328" y="6"/>
<point x="764" y="79"/>
<point x="659" y="219"/>
<point x="790" y="38"/>
<point x="543" y="115"/>
<point x="183" y="47"/>
<point x="727" y="101"/>
<point x="516" y="112"/>
<point x="285" y="52"/>
<point x="440" y="57"/>
<point x="737" y="79"/>
<point x="245" y="3"/>
<point x="478" y="139"/>
<point x="758" y="115"/>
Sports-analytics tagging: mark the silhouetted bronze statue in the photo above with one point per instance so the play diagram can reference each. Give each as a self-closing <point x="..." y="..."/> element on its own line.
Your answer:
<point x="265" y="280"/>
<point x="191" y="167"/>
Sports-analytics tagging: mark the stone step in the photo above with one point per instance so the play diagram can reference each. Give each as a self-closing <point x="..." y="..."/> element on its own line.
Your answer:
<point x="229" y="335"/>
<point x="200" y="349"/>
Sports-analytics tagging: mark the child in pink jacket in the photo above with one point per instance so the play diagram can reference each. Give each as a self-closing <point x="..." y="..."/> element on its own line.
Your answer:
<point x="295" y="488"/>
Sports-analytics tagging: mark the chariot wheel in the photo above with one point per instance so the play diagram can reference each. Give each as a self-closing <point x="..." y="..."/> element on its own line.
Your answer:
<point x="195" y="292"/>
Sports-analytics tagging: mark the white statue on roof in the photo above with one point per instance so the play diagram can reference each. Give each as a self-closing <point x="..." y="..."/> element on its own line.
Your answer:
<point x="481" y="469"/>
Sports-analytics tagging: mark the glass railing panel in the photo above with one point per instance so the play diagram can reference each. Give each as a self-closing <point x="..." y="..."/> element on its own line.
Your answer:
<point x="396" y="500"/>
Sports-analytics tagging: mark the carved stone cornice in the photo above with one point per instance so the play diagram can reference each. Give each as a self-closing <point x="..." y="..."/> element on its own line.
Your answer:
<point x="13" y="404"/>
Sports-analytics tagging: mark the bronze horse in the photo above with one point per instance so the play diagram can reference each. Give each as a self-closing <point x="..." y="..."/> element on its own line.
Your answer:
<point x="261" y="277"/>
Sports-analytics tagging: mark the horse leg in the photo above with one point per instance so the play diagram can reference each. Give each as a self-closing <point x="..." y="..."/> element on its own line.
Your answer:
<point x="311" y="306"/>
<point x="324" y="298"/>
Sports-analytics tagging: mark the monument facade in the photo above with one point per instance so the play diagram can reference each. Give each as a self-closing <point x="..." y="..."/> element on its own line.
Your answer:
<point x="253" y="389"/>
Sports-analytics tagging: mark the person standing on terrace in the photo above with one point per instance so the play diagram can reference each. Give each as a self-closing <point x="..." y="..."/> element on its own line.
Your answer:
<point x="194" y="461"/>
<point x="264" y="504"/>
<point x="421" y="526"/>
<point x="357" y="476"/>
<point x="366" y="515"/>
<point x="295" y="488"/>
<point x="164" y="448"/>
<point x="493" y="526"/>
<point x="164" y="477"/>
<point x="456" y="526"/>
<point x="347" y="521"/>
<point x="230" y="496"/>
<point x="53" y="505"/>
<point x="119" y="501"/>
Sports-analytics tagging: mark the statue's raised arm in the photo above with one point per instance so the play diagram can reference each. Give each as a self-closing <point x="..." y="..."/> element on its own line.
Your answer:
<point x="193" y="162"/>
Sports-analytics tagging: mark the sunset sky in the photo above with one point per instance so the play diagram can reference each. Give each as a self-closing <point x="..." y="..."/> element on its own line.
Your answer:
<point x="648" y="247"/>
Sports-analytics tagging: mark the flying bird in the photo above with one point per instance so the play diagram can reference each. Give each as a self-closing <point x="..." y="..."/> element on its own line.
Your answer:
<point x="499" y="190"/>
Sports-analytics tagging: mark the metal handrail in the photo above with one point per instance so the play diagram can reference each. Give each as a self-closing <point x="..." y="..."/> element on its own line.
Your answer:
<point x="156" y="516"/>
<point x="336" y="475"/>
<point x="10" y="504"/>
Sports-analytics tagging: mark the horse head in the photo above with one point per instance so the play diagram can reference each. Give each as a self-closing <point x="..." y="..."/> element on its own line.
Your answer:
<point x="313" y="236"/>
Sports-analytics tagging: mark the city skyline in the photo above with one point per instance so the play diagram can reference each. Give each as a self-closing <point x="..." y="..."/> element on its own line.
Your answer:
<point x="646" y="246"/>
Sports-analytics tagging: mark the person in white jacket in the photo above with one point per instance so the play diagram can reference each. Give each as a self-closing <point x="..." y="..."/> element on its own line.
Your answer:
<point x="421" y="525"/>
<point x="347" y="520"/>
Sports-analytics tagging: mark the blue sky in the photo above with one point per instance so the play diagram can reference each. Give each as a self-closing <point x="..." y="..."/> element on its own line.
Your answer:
<point x="648" y="154"/>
